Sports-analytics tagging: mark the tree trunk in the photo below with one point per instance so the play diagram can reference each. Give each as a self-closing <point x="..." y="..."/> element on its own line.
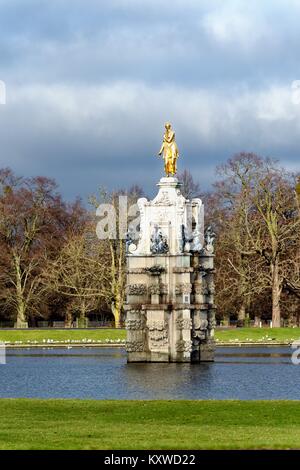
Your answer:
<point x="117" y="305"/>
<point x="82" y="320"/>
<point x="20" y="311"/>
<point x="116" y="310"/>
<point x="20" y="302"/>
<point x="276" y="295"/>
<point x="243" y="306"/>
<point x="21" y="321"/>
<point x="68" y="318"/>
<point x="118" y="296"/>
<point x="242" y="312"/>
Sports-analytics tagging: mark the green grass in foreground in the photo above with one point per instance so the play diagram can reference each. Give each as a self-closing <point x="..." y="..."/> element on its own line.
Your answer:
<point x="89" y="424"/>
<point x="246" y="335"/>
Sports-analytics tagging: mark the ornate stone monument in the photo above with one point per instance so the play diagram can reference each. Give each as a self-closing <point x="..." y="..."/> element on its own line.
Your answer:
<point x="170" y="312"/>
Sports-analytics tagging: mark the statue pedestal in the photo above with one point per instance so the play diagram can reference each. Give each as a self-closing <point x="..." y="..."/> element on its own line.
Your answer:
<point x="170" y="314"/>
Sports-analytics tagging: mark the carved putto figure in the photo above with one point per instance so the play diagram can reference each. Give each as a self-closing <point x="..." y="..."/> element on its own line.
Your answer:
<point x="169" y="150"/>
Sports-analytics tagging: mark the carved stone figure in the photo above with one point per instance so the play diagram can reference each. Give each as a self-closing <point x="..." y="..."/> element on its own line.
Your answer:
<point x="209" y="239"/>
<point x="159" y="243"/>
<point x="196" y="245"/>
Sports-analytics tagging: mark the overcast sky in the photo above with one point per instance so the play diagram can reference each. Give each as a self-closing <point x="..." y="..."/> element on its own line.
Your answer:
<point x="90" y="84"/>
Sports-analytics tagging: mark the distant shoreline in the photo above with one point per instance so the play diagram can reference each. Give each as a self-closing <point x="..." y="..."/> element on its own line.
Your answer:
<point x="118" y="345"/>
<point x="104" y="338"/>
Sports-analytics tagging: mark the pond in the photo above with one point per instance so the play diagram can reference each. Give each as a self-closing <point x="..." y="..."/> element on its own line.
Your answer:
<point x="102" y="373"/>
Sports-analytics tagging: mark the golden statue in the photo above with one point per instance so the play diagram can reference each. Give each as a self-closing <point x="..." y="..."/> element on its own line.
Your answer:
<point x="170" y="150"/>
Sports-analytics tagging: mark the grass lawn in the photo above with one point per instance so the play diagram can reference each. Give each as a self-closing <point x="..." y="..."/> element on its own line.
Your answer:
<point x="266" y="335"/>
<point x="246" y="335"/>
<point x="89" y="424"/>
<point x="66" y="335"/>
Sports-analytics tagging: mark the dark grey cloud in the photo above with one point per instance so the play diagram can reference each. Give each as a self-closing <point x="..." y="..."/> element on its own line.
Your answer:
<point x="90" y="84"/>
<point x="191" y="43"/>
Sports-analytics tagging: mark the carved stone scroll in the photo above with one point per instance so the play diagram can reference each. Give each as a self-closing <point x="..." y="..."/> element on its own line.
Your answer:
<point x="137" y="289"/>
<point x="135" y="346"/>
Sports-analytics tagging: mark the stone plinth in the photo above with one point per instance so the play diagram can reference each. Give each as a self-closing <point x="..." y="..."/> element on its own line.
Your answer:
<point x="170" y="314"/>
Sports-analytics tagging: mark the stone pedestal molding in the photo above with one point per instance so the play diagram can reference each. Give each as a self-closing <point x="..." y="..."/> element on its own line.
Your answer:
<point x="170" y="312"/>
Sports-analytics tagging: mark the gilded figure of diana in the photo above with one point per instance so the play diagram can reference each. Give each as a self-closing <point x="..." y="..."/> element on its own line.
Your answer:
<point x="169" y="150"/>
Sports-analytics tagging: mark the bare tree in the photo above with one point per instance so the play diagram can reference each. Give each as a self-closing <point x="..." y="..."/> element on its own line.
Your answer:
<point x="33" y="219"/>
<point x="233" y="197"/>
<point x="190" y="188"/>
<point x="115" y="246"/>
<point x="80" y="273"/>
<point x="266" y="227"/>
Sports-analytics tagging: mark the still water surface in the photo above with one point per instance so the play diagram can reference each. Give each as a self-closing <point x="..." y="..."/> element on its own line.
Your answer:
<point x="102" y="373"/>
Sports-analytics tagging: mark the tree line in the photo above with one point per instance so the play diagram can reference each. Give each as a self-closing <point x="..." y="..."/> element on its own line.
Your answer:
<point x="54" y="267"/>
